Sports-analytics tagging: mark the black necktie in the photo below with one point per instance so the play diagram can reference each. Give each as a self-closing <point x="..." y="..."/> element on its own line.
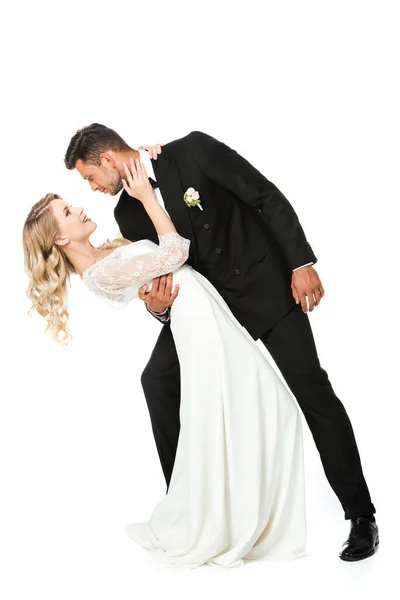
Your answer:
<point x="154" y="184"/>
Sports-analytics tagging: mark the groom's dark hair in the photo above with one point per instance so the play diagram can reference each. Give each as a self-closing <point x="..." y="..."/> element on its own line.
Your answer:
<point x="89" y="142"/>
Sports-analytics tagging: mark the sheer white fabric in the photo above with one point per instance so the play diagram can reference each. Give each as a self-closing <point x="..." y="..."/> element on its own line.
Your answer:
<point x="118" y="277"/>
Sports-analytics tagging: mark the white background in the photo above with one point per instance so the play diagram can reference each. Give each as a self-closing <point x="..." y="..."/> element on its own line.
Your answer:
<point x="307" y="92"/>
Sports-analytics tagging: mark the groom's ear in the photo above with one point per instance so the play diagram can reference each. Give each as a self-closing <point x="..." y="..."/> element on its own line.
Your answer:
<point x="108" y="159"/>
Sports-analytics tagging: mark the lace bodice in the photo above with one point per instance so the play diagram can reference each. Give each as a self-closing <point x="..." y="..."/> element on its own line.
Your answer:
<point x="117" y="277"/>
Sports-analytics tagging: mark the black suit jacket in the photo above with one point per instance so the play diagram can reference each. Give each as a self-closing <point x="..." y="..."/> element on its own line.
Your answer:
<point x="247" y="239"/>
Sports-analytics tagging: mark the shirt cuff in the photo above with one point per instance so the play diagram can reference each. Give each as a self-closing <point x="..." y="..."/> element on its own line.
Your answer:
<point x="306" y="265"/>
<point x="158" y="314"/>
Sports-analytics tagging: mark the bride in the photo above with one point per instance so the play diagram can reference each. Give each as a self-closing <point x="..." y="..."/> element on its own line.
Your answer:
<point x="237" y="486"/>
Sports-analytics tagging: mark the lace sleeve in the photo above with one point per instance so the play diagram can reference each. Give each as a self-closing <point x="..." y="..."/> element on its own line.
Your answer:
<point x="113" y="277"/>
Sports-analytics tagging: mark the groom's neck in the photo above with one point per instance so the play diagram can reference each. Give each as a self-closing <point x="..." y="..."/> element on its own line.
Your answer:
<point x="126" y="156"/>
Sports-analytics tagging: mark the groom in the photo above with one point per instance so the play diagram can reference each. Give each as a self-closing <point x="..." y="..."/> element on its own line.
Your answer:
<point x="246" y="239"/>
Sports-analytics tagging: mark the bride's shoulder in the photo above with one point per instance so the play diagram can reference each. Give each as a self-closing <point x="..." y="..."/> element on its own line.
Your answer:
<point x="134" y="248"/>
<point x="137" y="245"/>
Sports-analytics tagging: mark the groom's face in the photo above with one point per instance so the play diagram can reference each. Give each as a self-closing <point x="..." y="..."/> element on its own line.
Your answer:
<point x="105" y="178"/>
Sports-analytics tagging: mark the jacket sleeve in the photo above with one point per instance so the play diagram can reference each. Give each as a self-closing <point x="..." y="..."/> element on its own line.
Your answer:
<point x="163" y="317"/>
<point x="227" y="168"/>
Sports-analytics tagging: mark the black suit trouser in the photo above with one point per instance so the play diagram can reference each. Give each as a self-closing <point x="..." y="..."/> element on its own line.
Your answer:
<point x="291" y="344"/>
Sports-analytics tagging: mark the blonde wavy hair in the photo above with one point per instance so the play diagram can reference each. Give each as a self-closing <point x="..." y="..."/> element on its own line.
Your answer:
<point x="49" y="268"/>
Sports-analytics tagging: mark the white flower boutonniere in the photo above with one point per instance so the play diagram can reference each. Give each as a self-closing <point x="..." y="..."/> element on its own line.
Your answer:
<point x="192" y="198"/>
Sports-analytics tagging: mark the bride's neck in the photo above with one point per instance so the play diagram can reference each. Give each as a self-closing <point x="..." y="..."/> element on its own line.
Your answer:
<point x="84" y="255"/>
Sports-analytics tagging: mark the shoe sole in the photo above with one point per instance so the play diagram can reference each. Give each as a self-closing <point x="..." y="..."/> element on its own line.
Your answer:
<point x="354" y="559"/>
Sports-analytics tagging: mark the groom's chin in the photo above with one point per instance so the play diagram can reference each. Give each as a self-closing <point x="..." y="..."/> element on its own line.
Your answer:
<point x="115" y="192"/>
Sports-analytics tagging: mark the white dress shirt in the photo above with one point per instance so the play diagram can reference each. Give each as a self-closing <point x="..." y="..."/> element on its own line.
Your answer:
<point x="145" y="158"/>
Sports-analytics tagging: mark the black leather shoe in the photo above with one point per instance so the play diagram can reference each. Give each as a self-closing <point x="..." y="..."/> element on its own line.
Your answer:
<point x="362" y="541"/>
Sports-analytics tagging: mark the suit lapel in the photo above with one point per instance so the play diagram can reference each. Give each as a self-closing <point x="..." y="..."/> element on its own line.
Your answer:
<point x="168" y="179"/>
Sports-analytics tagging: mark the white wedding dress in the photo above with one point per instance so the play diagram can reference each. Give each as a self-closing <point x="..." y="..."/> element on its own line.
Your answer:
<point x="237" y="486"/>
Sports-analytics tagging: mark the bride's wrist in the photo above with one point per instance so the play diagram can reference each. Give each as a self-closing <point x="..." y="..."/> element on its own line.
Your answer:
<point x="150" y="198"/>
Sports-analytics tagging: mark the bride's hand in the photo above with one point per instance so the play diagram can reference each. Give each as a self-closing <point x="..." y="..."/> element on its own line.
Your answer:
<point x="137" y="182"/>
<point x="153" y="151"/>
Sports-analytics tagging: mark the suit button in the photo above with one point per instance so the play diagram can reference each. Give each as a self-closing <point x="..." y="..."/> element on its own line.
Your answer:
<point x="237" y="271"/>
<point x="206" y="226"/>
<point x="218" y="250"/>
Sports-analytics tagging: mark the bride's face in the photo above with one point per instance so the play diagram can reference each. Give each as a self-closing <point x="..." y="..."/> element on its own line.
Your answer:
<point x="74" y="224"/>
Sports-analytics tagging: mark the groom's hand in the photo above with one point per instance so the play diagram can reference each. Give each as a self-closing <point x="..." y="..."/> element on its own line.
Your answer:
<point x="160" y="296"/>
<point x="307" y="284"/>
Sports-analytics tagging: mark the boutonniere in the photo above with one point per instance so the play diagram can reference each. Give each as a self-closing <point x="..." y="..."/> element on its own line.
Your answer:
<point x="192" y="198"/>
